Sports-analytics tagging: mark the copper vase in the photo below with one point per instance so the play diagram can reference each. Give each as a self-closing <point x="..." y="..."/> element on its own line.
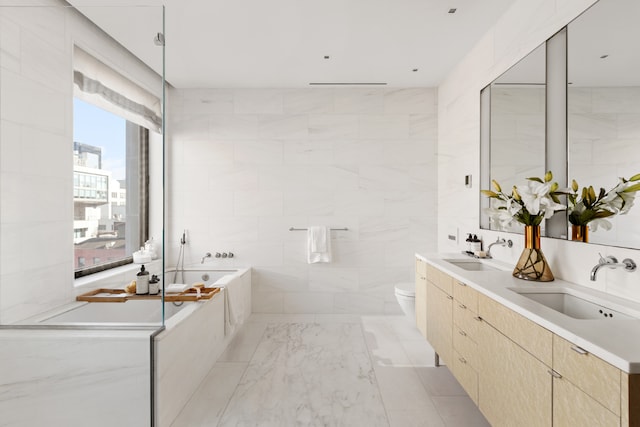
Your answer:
<point x="532" y="264"/>
<point x="580" y="233"/>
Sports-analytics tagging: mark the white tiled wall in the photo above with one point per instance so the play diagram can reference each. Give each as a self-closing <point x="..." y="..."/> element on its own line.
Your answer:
<point x="523" y="27"/>
<point x="245" y="165"/>
<point x="36" y="149"/>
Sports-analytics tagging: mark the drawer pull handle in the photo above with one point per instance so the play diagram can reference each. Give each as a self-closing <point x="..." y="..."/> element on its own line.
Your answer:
<point x="462" y="306"/>
<point x="478" y="318"/>
<point x="554" y="374"/>
<point x="461" y="359"/>
<point x="463" y="333"/>
<point x="579" y="350"/>
<point x="449" y="297"/>
<point x="462" y="284"/>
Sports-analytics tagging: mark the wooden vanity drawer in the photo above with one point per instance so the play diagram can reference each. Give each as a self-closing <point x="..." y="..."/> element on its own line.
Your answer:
<point x="440" y="279"/>
<point x="466" y="295"/>
<point x="533" y="338"/>
<point x="573" y="407"/>
<point x="421" y="268"/>
<point x="466" y="375"/>
<point x="465" y="346"/>
<point x="466" y="319"/>
<point x="589" y="373"/>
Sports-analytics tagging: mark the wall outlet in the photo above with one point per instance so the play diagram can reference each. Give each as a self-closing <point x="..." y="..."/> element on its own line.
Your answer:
<point x="452" y="235"/>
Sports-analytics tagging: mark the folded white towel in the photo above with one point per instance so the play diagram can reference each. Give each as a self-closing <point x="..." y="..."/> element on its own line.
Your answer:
<point x="224" y="280"/>
<point x="230" y="302"/>
<point x="319" y="244"/>
<point x="176" y="288"/>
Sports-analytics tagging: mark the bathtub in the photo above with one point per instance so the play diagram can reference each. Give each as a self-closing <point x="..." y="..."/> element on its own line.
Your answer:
<point x="105" y="349"/>
<point x="137" y="313"/>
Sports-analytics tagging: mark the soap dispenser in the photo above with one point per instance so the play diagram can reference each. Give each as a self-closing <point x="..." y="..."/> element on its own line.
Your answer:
<point x="476" y="244"/>
<point x="142" y="282"/>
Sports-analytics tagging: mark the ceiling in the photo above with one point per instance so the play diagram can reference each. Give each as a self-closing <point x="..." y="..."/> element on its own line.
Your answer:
<point x="283" y="43"/>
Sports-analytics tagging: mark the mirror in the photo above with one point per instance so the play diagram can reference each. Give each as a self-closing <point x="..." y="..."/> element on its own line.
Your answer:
<point x="517" y="101"/>
<point x="604" y="107"/>
<point x="602" y="126"/>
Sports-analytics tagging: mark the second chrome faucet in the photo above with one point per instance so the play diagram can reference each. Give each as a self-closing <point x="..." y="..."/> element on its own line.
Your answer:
<point x="612" y="262"/>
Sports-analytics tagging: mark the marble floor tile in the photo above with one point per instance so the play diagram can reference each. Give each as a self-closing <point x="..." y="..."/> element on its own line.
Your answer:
<point x="308" y="374"/>
<point x="210" y="400"/>
<point x="440" y="382"/>
<point x="426" y="417"/>
<point x="329" y="370"/>
<point x="244" y="344"/>
<point x="459" y="411"/>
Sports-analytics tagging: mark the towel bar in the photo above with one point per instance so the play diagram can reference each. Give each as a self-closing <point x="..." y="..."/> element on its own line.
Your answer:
<point x="304" y="229"/>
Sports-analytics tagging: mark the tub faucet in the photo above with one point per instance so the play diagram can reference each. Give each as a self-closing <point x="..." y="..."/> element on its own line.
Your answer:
<point x="612" y="262"/>
<point x="499" y="242"/>
<point x="207" y="255"/>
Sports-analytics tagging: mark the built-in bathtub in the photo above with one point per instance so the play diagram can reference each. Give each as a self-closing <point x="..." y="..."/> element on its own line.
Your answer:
<point x="97" y="348"/>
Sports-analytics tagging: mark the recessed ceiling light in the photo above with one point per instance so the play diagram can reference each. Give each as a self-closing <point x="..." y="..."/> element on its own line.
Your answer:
<point x="452" y="10"/>
<point x="604" y="56"/>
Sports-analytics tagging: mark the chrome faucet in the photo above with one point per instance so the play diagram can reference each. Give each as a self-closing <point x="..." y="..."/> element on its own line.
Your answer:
<point x="499" y="242"/>
<point x="207" y="255"/>
<point x="612" y="262"/>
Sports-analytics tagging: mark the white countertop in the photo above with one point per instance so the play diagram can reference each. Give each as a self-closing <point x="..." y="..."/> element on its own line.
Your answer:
<point x="616" y="341"/>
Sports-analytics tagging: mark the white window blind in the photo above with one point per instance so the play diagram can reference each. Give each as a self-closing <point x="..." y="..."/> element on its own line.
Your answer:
<point x="100" y="85"/>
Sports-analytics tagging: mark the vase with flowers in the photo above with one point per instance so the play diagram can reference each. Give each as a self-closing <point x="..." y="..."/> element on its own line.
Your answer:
<point x="527" y="204"/>
<point x="588" y="210"/>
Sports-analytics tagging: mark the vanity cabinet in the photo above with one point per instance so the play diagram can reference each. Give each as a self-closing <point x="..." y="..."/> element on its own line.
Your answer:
<point x="585" y="387"/>
<point x="465" y="337"/>
<point x="421" y="296"/>
<point x="518" y="372"/>
<point x="440" y="321"/>
<point x="514" y="386"/>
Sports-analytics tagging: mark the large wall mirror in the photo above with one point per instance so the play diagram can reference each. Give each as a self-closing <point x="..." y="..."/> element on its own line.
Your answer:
<point x="602" y="104"/>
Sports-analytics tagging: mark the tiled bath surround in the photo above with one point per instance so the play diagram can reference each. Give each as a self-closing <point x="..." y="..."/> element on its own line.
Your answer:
<point x="245" y="165"/>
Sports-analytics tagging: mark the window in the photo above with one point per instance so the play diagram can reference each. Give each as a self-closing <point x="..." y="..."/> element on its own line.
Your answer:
<point x="112" y="118"/>
<point x="109" y="154"/>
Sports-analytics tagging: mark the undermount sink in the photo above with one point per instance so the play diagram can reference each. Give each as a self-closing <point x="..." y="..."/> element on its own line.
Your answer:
<point x="471" y="265"/>
<point x="579" y="307"/>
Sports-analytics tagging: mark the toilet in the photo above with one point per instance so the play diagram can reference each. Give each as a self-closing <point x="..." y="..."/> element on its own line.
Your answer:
<point x="406" y="296"/>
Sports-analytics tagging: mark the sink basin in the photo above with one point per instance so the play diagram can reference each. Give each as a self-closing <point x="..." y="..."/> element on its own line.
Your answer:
<point x="578" y="307"/>
<point x="471" y="265"/>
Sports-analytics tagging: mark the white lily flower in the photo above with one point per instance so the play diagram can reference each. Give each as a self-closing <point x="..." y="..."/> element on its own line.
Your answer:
<point x="532" y="194"/>
<point x="593" y="225"/>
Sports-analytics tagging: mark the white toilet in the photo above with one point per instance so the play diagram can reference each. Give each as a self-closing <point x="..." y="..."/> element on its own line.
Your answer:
<point x="406" y="296"/>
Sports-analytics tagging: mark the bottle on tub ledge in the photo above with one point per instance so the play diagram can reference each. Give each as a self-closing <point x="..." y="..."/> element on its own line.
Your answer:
<point x="142" y="282"/>
<point x="154" y="287"/>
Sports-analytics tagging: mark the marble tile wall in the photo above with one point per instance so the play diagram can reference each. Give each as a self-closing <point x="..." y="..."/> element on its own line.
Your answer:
<point x="520" y="30"/>
<point x="247" y="164"/>
<point x="36" y="147"/>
